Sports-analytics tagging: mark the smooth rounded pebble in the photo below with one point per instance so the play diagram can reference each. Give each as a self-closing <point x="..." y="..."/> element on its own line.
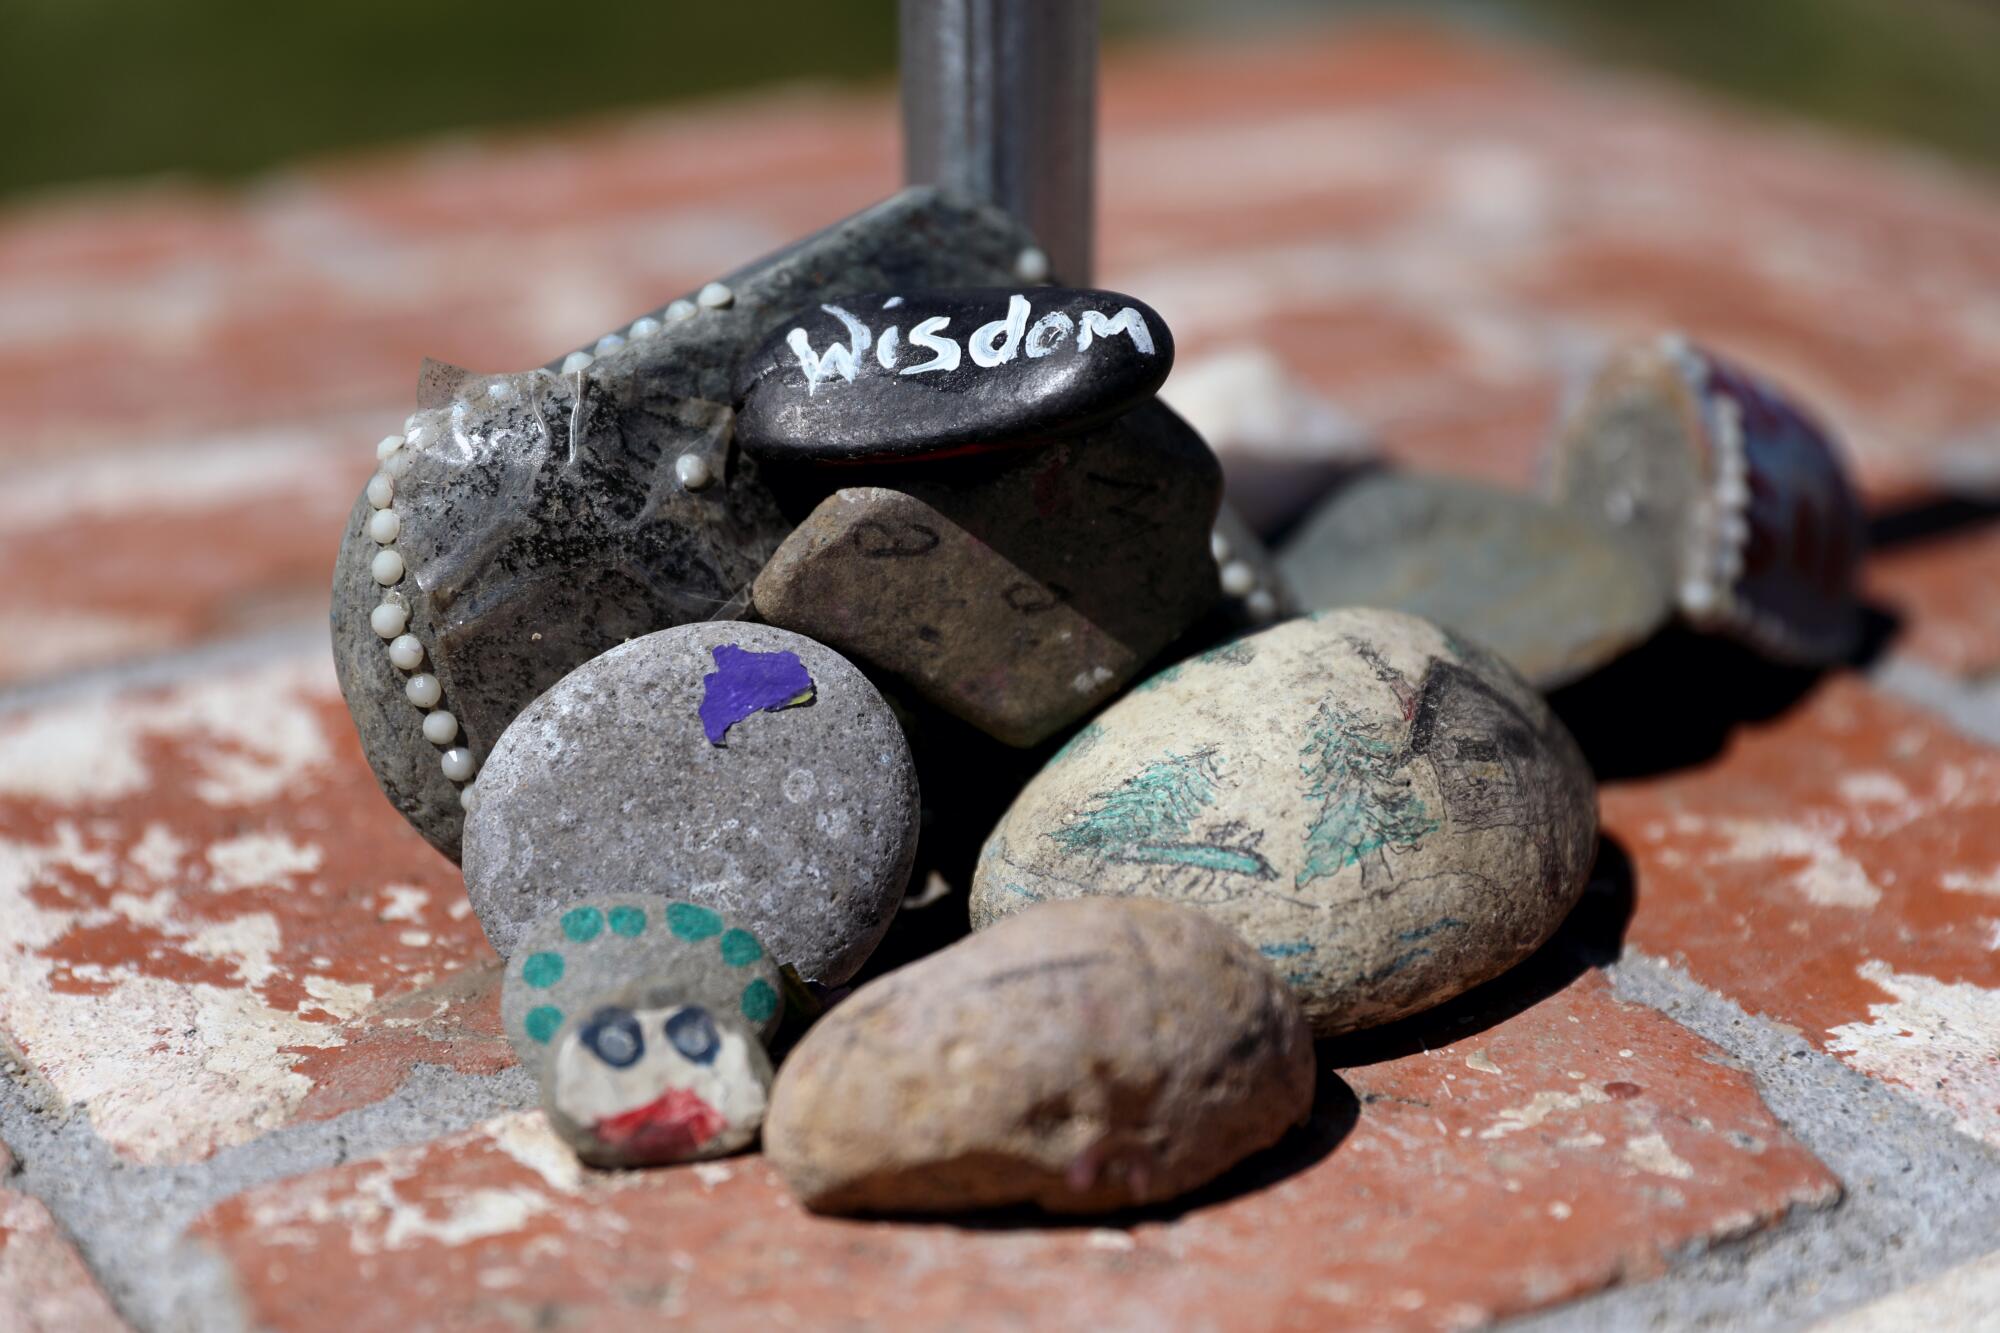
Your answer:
<point x="801" y="824"/>
<point x="1081" y="1056"/>
<point x="1387" y="812"/>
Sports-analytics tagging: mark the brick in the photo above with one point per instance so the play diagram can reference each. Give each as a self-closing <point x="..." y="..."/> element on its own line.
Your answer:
<point x="1837" y="869"/>
<point x="1941" y="591"/>
<point x="44" y="1285"/>
<point x="1576" y="1144"/>
<point x="212" y="924"/>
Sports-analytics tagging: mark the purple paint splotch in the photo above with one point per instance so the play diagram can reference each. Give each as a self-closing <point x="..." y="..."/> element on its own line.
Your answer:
<point x="746" y="682"/>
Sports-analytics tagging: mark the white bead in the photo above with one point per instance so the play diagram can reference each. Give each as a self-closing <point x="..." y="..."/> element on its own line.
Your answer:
<point x="458" y="764"/>
<point x="715" y="296"/>
<point x="381" y="490"/>
<point x="1238" y="579"/>
<point x="610" y="342"/>
<point x="389" y="619"/>
<point x="1218" y="546"/>
<point x="643" y="328"/>
<point x="1697" y="597"/>
<point x="399" y="463"/>
<point x="576" y="361"/>
<point x="440" y="727"/>
<point x="680" y="310"/>
<point x="693" y="471"/>
<point x="468" y="799"/>
<point x="383" y="526"/>
<point x="423" y="690"/>
<point x="407" y="652"/>
<point x="1031" y="265"/>
<point x="1261" y="604"/>
<point x="390" y="444"/>
<point x="387" y="567"/>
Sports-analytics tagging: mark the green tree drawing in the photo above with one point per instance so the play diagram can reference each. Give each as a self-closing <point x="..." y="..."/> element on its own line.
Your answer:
<point x="1149" y="818"/>
<point x="1357" y="778"/>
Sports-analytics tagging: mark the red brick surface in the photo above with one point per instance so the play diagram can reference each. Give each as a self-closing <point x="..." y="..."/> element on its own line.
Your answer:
<point x="1572" y="1145"/>
<point x="211" y="924"/>
<point x="1838" y="870"/>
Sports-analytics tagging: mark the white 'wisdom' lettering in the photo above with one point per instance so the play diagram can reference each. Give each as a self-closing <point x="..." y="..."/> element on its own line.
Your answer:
<point x="991" y="345"/>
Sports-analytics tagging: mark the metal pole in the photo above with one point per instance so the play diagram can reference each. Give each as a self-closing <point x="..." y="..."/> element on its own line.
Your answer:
<point x="1000" y="102"/>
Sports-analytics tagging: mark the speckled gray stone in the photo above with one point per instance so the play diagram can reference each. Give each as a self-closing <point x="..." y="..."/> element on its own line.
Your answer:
<point x="1388" y="812"/>
<point x="801" y="827"/>
<point x="1081" y="1056"/>
<point x="544" y="516"/>
<point x="1555" y="592"/>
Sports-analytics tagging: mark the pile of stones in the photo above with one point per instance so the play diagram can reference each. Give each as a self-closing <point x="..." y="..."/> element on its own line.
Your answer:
<point x="879" y="563"/>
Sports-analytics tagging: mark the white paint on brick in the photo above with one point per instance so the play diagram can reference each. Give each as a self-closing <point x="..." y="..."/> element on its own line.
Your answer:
<point x="1874" y="788"/>
<point x="249" y="734"/>
<point x="158" y="853"/>
<point x="1514" y="1119"/>
<point x="1986" y="882"/>
<point x="526" y="1137"/>
<point x="260" y="860"/>
<point x="406" y="903"/>
<point x="1940" y="1041"/>
<point x="1652" y="1154"/>
<point x="1829" y="877"/>
<point x="248" y="942"/>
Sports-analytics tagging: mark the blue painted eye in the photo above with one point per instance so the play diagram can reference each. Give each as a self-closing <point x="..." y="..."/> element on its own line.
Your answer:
<point x="613" y="1036"/>
<point x="692" y="1032"/>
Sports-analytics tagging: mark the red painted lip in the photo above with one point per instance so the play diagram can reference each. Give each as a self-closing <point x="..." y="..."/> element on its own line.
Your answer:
<point x="670" y="1128"/>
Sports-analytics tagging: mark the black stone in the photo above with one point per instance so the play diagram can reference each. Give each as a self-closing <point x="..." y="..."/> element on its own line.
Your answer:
<point x="849" y="380"/>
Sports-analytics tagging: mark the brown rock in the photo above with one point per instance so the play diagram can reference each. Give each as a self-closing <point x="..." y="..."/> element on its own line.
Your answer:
<point x="1081" y="1057"/>
<point x="1019" y="592"/>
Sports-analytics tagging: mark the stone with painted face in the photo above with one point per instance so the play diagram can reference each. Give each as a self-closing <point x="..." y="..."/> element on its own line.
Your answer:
<point x="643" y="1019"/>
<point x="1081" y="1057"/>
<point x="1387" y="812"/>
<point x="648" y="1079"/>
<point x="920" y="373"/>
<point x="744" y="768"/>
<point x="521" y="524"/>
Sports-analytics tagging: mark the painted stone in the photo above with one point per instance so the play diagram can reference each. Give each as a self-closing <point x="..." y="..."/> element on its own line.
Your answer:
<point x="800" y="828"/>
<point x="920" y="373"/>
<point x="644" y="1020"/>
<point x="1387" y="812"/>
<point x="1555" y="592"/>
<point x="529" y="522"/>
<point x="1016" y="591"/>
<point x="1082" y="1056"/>
<point x="1735" y="492"/>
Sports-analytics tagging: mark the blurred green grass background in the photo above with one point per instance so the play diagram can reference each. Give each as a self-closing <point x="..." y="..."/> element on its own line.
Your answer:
<point x="219" y="88"/>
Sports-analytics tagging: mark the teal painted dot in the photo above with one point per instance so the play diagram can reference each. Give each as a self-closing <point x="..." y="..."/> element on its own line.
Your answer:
<point x="691" y="922"/>
<point x="759" y="1001"/>
<point x="542" y="1022"/>
<point x="627" y="921"/>
<point x="542" y="970"/>
<point x="583" y="923"/>
<point x="740" y="948"/>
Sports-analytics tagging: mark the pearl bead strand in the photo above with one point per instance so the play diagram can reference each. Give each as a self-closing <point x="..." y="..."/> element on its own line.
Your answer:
<point x="391" y="618"/>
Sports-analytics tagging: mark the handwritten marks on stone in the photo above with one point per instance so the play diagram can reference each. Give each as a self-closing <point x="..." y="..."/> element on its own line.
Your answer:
<point x="880" y="376"/>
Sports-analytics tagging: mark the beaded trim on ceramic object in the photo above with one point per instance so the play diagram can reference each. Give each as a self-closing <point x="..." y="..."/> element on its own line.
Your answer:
<point x="391" y="618"/>
<point x="1239" y="580"/>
